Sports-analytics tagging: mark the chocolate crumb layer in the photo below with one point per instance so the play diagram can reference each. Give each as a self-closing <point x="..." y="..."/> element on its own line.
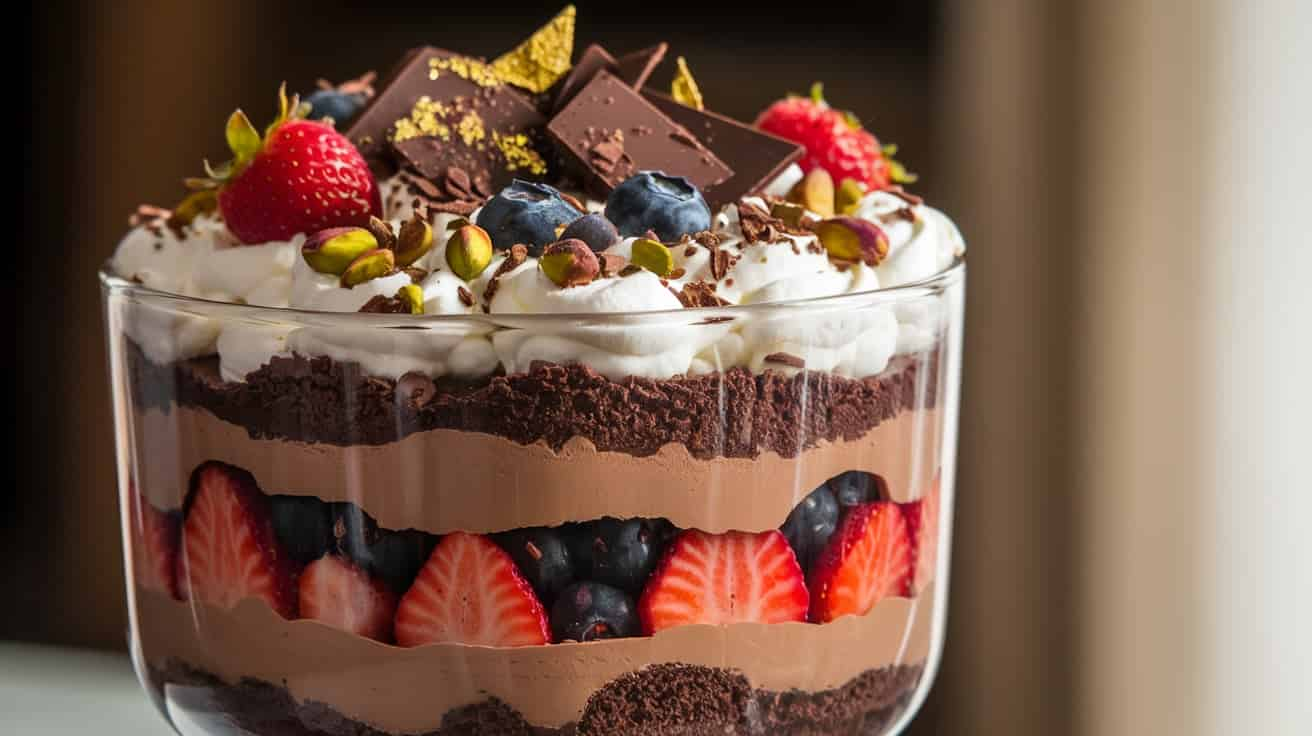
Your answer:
<point x="661" y="700"/>
<point x="731" y="414"/>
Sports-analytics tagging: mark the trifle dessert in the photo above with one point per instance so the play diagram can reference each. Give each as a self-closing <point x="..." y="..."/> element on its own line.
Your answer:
<point x="522" y="397"/>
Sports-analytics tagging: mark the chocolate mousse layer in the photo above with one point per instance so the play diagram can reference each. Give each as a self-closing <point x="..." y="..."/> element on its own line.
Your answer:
<point x="734" y="414"/>
<point x="661" y="700"/>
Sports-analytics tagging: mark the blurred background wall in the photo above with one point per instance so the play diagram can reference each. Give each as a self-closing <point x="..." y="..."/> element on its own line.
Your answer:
<point x="1132" y="498"/>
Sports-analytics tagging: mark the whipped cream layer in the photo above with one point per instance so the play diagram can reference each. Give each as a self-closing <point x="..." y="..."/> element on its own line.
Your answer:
<point x="205" y="261"/>
<point x="447" y="480"/>
<point x="409" y="690"/>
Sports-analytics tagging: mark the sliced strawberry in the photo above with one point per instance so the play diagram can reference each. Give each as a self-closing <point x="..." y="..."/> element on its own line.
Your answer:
<point x="340" y="594"/>
<point x="154" y="546"/>
<point x="923" y="525"/>
<point x="728" y="578"/>
<point x="469" y="592"/>
<point x="229" y="551"/>
<point x="867" y="560"/>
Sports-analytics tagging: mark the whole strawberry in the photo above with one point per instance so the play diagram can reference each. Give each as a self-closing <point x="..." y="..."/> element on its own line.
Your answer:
<point x="302" y="176"/>
<point x="834" y="141"/>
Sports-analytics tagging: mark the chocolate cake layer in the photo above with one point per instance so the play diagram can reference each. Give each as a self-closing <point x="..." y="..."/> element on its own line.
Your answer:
<point x="731" y="414"/>
<point x="662" y="700"/>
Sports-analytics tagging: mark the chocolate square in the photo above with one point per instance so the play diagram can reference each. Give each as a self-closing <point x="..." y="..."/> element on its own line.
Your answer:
<point x="440" y="110"/>
<point x="756" y="157"/>
<point x="610" y="132"/>
<point x="635" y="68"/>
<point x="594" y="59"/>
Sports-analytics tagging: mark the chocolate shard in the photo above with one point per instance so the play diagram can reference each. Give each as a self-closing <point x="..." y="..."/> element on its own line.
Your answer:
<point x="635" y="68"/>
<point x="756" y="157"/>
<point x="610" y="132"/>
<point x="594" y="59"/>
<point x="439" y="110"/>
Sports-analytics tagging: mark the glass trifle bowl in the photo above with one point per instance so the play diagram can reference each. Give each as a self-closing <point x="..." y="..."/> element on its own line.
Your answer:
<point x="517" y="397"/>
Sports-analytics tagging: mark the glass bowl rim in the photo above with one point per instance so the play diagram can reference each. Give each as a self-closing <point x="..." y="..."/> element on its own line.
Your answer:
<point x="927" y="287"/>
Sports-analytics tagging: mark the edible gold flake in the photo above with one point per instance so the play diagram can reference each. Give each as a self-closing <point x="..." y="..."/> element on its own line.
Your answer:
<point x="518" y="154"/>
<point x="425" y="119"/>
<point x="472" y="70"/>
<point x="537" y="63"/>
<point x="684" y="88"/>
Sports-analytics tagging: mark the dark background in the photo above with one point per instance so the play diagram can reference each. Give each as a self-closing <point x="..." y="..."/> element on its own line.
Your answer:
<point x="125" y="99"/>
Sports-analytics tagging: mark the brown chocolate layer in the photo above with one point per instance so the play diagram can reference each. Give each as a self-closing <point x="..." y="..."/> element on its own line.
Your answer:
<point x="731" y="414"/>
<point x="661" y="700"/>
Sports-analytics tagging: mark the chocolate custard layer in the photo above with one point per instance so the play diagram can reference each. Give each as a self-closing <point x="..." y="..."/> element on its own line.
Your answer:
<point x="412" y="690"/>
<point x="662" y="700"/>
<point x="731" y="414"/>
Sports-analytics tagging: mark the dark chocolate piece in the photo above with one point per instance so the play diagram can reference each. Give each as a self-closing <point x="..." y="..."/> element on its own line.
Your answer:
<point x="611" y="132"/>
<point x="635" y="68"/>
<point x="756" y="157"/>
<point x="440" y="110"/>
<point x="594" y="59"/>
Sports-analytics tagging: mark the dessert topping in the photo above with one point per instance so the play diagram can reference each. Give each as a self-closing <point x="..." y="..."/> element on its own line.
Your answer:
<point x="569" y="263"/>
<point x="371" y="264"/>
<point x="413" y="241"/>
<point x="331" y="251"/>
<point x="684" y="88"/>
<point x="669" y="207"/>
<point x="815" y="192"/>
<point x="653" y="256"/>
<point x="468" y="251"/>
<point x="853" y="239"/>
<point x="526" y="213"/>
<point x="538" y="62"/>
<point x="700" y="294"/>
<point x="848" y="196"/>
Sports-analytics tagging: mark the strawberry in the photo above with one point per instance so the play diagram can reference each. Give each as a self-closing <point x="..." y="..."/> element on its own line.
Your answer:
<point x="834" y="141"/>
<point x="724" y="579"/>
<point x="229" y="551"/>
<point x="302" y="176"/>
<point x="867" y="560"/>
<point x="154" y="546"/>
<point x="922" y="526"/>
<point x="469" y="592"/>
<point x="337" y="592"/>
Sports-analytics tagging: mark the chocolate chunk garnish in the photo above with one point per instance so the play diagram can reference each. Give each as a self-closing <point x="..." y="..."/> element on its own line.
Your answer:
<point x="601" y="113"/>
<point x="380" y="304"/>
<point x="466" y="297"/>
<point x="635" y="68"/>
<point x="699" y="294"/>
<point x="719" y="263"/>
<point x="440" y="110"/>
<point x="759" y="226"/>
<point x="755" y="157"/>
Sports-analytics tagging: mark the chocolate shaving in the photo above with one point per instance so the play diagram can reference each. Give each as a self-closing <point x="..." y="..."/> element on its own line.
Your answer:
<point x="699" y="294"/>
<point x="380" y="304"/>
<point x="415" y="273"/>
<point x="787" y="359"/>
<point x="759" y="226"/>
<point x="517" y="255"/>
<point x="897" y="191"/>
<point x="466" y="297"/>
<point x="612" y="263"/>
<point x="719" y="263"/>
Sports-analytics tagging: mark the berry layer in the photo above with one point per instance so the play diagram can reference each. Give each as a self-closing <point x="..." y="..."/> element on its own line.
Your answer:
<point x="392" y="688"/>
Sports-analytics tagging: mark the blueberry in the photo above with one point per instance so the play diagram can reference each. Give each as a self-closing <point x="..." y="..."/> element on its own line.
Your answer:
<point x="542" y="557"/>
<point x="811" y="524"/>
<point x="303" y="526"/>
<point x="329" y="103"/>
<point x="593" y="229"/>
<point x="353" y="532"/>
<point x="650" y="200"/>
<point x="579" y="537"/>
<point x="396" y="556"/>
<point x="589" y="611"/>
<point x="528" y="213"/>
<point x="854" y="487"/>
<point x="624" y="553"/>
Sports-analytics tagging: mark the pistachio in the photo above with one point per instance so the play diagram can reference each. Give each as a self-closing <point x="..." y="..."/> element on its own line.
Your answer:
<point x="382" y="233"/>
<point x="468" y="251"/>
<point x="816" y="192"/>
<point x="412" y="297"/>
<point x="369" y="265"/>
<point x="333" y="250"/>
<point x="414" y="241"/>
<point x="569" y="263"/>
<point x="653" y="256"/>
<point x="853" y="239"/>
<point x="790" y="212"/>
<point x="848" y="196"/>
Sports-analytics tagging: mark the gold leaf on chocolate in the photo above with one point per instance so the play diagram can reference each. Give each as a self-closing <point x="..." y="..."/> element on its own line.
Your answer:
<point x="684" y="88"/>
<point x="537" y="63"/>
